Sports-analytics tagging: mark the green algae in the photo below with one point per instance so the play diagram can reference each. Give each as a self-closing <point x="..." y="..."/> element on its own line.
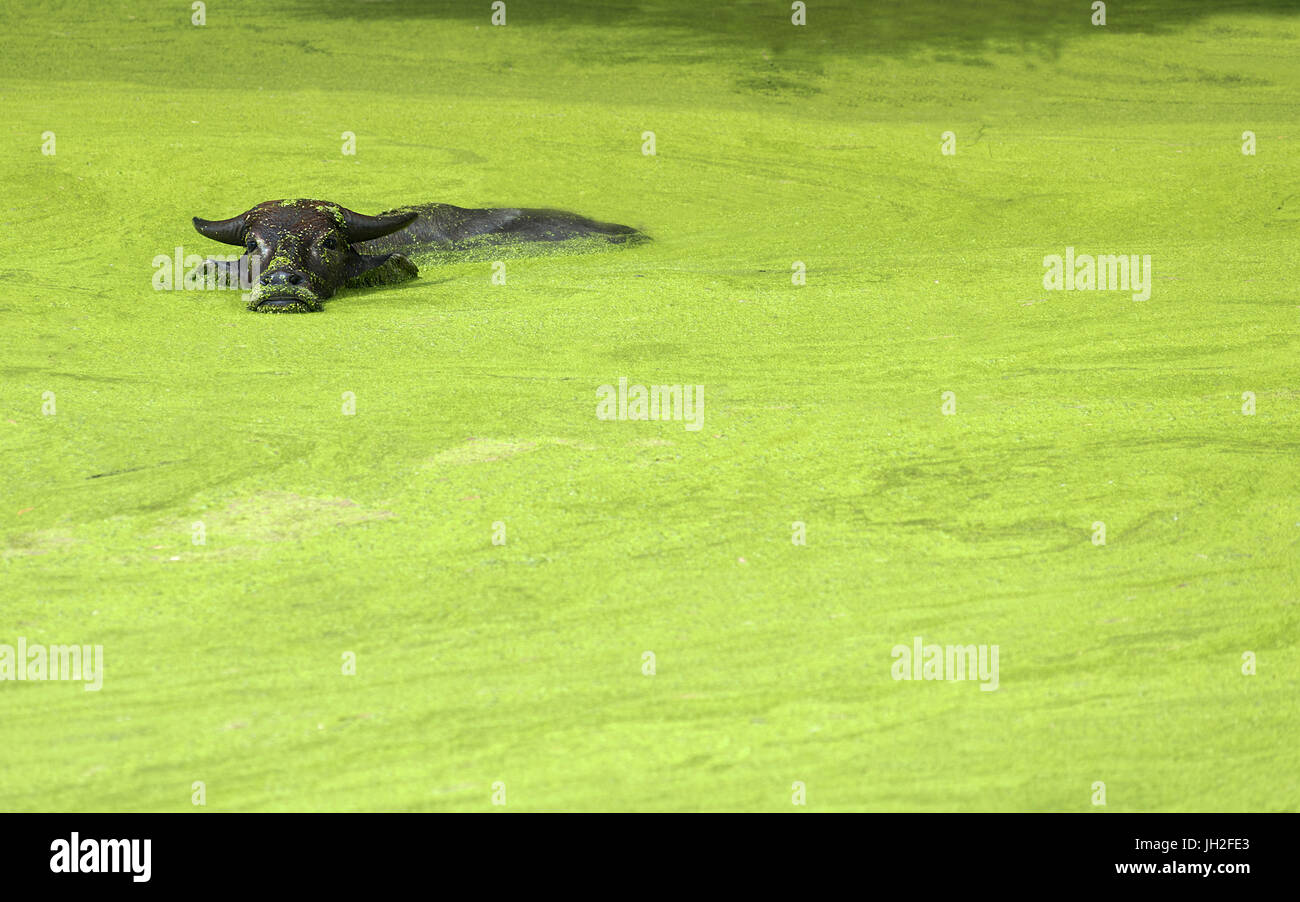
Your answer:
<point x="350" y="468"/>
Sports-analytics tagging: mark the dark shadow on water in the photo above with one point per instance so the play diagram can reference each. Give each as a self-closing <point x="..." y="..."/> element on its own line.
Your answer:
<point x="678" y="28"/>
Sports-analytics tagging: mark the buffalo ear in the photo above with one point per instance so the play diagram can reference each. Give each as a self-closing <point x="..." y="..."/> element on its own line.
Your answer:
<point x="366" y="228"/>
<point x="365" y="270"/>
<point x="227" y="231"/>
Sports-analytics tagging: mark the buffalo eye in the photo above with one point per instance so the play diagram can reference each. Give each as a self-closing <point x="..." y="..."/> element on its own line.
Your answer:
<point x="329" y="244"/>
<point x="251" y="246"/>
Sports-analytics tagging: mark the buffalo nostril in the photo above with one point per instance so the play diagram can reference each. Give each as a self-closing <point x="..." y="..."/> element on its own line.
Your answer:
<point x="280" y="277"/>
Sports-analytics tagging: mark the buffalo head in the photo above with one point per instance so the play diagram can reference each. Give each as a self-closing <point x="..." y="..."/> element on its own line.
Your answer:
<point x="304" y="250"/>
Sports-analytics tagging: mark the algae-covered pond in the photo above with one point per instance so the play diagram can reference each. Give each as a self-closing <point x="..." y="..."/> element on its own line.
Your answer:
<point x="387" y="556"/>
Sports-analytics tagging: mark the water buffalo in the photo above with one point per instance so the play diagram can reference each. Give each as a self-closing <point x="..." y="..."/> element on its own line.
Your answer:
<point x="305" y="250"/>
